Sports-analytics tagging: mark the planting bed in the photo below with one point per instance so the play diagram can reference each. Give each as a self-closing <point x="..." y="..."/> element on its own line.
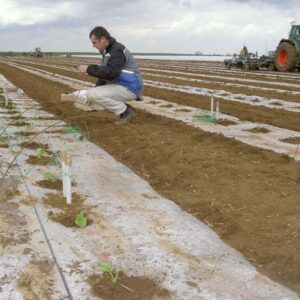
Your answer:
<point x="240" y="177"/>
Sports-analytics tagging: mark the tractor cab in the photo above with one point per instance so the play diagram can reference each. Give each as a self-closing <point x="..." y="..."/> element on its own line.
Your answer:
<point x="294" y="35"/>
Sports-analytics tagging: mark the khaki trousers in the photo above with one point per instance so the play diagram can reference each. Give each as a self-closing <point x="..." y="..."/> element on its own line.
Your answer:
<point x="111" y="96"/>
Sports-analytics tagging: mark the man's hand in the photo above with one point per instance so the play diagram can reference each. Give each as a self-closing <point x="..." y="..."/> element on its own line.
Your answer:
<point x="82" y="69"/>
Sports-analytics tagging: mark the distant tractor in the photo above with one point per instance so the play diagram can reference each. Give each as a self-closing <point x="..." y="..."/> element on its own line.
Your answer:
<point x="250" y="61"/>
<point x="287" y="55"/>
<point x="37" y="53"/>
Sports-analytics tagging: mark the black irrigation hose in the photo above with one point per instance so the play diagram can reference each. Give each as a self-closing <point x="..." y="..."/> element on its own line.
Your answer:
<point x="30" y="140"/>
<point x="37" y="134"/>
<point x="35" y="208"/>
<point x="30" y="195"/>
<point x="31" y="107"/>
<point x="50" y="248"/>
<point x="45" y="234"/>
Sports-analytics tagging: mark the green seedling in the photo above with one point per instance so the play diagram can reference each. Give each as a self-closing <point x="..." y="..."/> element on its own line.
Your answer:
<point x="106" y="267"/>
<point x="40" y="153"/>
<point x="73" y="129"/>
<point x="50" y="176"/>
<point x="205" y="118"/>
<point x="81" y="220"/>
<point x="76" y="131"/>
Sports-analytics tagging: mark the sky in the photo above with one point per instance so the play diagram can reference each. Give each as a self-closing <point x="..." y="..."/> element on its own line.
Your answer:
<point x="151" y="26"/>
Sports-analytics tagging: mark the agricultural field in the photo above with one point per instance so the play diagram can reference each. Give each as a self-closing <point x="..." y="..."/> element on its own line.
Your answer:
<point x="197" y="198"/>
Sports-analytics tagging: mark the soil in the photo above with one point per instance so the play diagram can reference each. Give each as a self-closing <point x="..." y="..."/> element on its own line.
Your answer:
<point x="16" y="117"/>
<point x="249" y="196"/>
<point x="4" y="145"/>
<point x="167" y="105"/>
<point x="9" y="216"/>
<point x="9" y="112"/>
<point x="55" y="200"/>
<point x="26" y="133"/>
<point x="183" y="110"/>
<point x="34" y="145"/>
<point x="68" y="215"/>
<point x="20" y="124"/>
<point x="50" y="184"/>
<point x="276" y="103"/>
<point x="292" y="140"/>
<point x="8" y="188"/>
<point x="43" y="161"/>
<point x="128" y="288"/>
<point x="259" y="130"/>
<point x="35" y="281"/>
<point x="226" y="122"/>
<point x="153" y="102"/>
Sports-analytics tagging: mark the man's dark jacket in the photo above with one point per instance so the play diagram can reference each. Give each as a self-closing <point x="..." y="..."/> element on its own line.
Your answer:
<point x="118" y="67"/>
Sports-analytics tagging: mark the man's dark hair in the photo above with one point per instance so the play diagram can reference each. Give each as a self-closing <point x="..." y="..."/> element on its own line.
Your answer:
<point x="99" y="32"/>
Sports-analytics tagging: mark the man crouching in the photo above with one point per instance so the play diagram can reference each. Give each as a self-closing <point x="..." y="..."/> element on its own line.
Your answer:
<point x="119" y="80"/>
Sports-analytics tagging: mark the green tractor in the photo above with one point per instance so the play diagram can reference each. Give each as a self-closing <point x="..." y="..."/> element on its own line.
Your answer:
<point x="287" y="55"/>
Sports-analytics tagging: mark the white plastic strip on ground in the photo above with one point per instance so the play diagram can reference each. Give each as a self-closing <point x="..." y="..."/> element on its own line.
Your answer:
<point x="242" y="98"/>
<point x="72" y="82"/>
<point x="145" y="234"/>
<point x="27" y="269"/>
<point x="271" y="140"/>
<point x="277" y="83"/>
<point x="223" y="83"/>
<point x="294" y="77"/>
<point x="62" y="67"/>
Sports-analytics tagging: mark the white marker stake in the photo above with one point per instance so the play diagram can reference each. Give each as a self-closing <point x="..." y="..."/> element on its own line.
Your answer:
<point x="69" y="184"/>
<point x="63" y="175"/>
<point x="212" y="105"/>
<point x="217" y="110"/>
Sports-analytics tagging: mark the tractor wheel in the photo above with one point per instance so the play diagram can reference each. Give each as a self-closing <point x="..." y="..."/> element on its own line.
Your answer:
<point x="286" y="57"/>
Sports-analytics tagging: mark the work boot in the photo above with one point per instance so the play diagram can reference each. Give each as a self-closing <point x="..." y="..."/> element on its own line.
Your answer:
<point x="126" y="116"/>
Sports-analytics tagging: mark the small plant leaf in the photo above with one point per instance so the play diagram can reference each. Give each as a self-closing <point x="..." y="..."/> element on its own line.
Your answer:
<point x="40" y="153"/>
<point x="105" y="266"/>
<point x="49" y="176"/>
<point x="115" y="278"/>
<point x="81" y="220"/>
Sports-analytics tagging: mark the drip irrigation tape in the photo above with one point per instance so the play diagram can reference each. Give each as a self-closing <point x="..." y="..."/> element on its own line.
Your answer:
<point x="44" y="231"/>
